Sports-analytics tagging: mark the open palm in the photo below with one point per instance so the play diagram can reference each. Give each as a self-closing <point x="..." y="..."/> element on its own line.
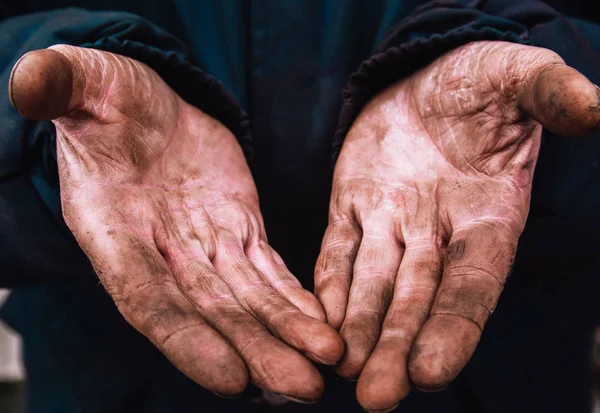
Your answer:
<point x="430" y="195"/>
<point x="160" y="198"/>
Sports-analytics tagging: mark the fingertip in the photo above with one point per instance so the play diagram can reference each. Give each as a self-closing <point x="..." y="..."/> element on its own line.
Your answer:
<point x="384" y="381"/>
<point x="307" y="303"/>
<point x="234" y="377"/>
<point x="373" y="400"/>
<point x="360" y="333"/>
<point x="232" y="385"/>
<point x="351" y="365"/>
<point x="349" y="369"/>
<point x="327" y="346"/>
<point x="428" y="372"/>
<point x="442" y="349"/>
<point x="41" y="84"/>
<point x="330" y="352"/>
<point x="313" y="308"/>
<point x="308" y="387"/>
<point x="279" y="369"/>
<point x="565" y="102"/>
<point x="207" y="359"/>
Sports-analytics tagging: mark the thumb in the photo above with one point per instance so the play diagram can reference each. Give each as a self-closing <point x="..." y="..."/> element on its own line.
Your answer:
<point x="563" y="100"/>
<point x="41" y="85"/>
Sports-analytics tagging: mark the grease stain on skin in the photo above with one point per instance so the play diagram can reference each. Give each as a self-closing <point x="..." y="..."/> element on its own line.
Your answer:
<point x="555" y="107"/>
<point x="456" y="250"/>
<point x="426" y="374"/>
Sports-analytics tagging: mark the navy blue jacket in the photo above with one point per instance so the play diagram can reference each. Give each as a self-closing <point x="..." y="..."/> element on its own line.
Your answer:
<point x="288" y="78"/>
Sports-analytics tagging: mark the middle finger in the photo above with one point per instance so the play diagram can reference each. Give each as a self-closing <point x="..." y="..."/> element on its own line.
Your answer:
<point x="375" y="268"/>
<point x="384" y="380"/>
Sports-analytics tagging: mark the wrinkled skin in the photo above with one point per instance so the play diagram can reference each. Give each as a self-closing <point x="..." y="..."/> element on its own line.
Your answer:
<point x="430" y="195"/>
<point x="431" y="192"/>
<point x="159" y="197"/>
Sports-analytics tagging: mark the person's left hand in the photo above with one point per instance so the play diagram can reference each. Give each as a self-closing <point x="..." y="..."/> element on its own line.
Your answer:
<point x="430" y="195"/>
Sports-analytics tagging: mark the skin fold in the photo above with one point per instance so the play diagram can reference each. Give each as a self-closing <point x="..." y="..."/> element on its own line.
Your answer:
<point x="430" y="194"/>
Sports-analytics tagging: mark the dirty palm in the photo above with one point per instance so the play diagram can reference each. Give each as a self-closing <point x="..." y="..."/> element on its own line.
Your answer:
<point x="430" y="195"/>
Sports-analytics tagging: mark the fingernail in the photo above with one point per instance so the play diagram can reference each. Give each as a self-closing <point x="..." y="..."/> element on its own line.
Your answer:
<point x="41" y="85"/>
<point x="299" y="399"/>
<point x="432" y="389"/>
<point x="384" y="410"/>
<point x="226" y="396"/>
<point x="10" y="82"/>
<point x="314" y="357"/>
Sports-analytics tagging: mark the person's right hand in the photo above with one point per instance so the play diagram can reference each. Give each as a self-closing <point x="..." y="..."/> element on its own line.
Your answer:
<point x="160" y="198"/>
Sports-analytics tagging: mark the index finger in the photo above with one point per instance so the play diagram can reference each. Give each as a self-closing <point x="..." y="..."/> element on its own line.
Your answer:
<point x="477" y="262"/>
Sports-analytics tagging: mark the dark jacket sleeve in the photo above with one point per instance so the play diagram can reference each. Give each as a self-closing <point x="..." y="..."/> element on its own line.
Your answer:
<point x="440" y="26"/>
<point x="35" y="244"/>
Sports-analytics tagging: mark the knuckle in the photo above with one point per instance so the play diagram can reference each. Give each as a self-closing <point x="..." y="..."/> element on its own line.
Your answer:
<point x="165" y="341"/>
<point x="203" y="231"/>
<point x="463" y="305"/>
<point x="336" y="282"/>
<point x="362" y="193"/>
<point x="261" y="372"/>
<point x="405" y="320"/>
<point x="153" y="322"/>
<point x="356" y="318"/>
<point x="416" y="291"/>
<point x="473" y="280"/>
<point x="279" y="318"/>
<point x="198" y="281"/>
<point x="254" y="291"/>
<point x="373" y="272"/>
<point x="263" y="303"/>
<point x="238" y="219"/>
<point x="250" y="347"/>
<point x="148" y="308"/>
<point x="285" y="281"/>
<point x="340" y="240"/>
<point x="336" y="260"/>
<point x="371" y="294"/>
<point x="229" y="318"/>
<point x="464" y="295"/>
<point x="398" y="334"/>
<point x="128" y="296"/>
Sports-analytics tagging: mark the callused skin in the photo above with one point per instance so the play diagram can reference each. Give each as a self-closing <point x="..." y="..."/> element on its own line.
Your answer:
<point x="430" y="195"/>
<point x="160" y="198"/>
<point x="431" y="192"/>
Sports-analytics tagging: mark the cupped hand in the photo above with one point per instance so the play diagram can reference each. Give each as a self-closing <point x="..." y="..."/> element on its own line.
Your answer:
<point x="160" y="198"/>
<point x="430" y="194"/>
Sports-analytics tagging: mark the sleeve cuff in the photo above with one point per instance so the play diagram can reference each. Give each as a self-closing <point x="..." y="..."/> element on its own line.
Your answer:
<point x="190" y="82"/>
